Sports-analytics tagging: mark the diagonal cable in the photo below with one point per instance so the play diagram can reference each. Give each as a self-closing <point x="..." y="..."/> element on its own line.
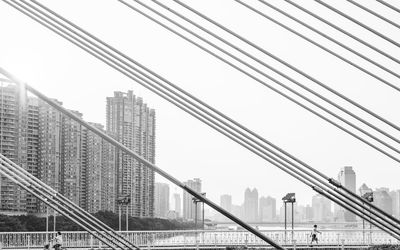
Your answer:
<point x="266" y="52"/>
<point x="272" y="88"/>
<point x="118" y="144"/>
<point x="283" y="74"/>
<point x="374" y="13"/>
<point x="65" y="203"/>
<point x="369" y="45"/>
<point x="389" y="5"/>
<point x="336" y="41"/>
<point x="337" y="11"/>
<point x="353" y="64"/>
<point x="9" y="171"/>
<point x="107" y="63"/>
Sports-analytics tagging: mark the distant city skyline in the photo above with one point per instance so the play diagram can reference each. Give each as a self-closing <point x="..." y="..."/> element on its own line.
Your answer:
<point x="318" y="209"/>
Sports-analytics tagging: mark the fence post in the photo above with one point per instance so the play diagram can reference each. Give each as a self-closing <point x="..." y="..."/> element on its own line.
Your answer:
<point x="342" y="244"/>
<point x="245" y="241"/>
<point x="294" y="244"/>
<point x="91" y="241"/>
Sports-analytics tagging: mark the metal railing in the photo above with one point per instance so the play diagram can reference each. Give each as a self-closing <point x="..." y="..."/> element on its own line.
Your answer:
<point x="209" y="238"/>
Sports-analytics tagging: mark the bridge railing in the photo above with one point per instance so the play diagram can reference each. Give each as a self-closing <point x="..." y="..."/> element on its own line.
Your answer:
<point x="207" y="238"/>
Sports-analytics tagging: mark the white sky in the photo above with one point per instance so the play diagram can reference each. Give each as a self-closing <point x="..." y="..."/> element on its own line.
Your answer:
<point x="187" y="148"/>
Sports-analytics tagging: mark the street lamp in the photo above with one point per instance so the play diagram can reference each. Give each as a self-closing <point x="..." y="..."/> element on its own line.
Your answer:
<point x="195" y="201"/>
<point x="124" y="200"/>
<point x="289" y="198"/>
<point x="368" y="196"/>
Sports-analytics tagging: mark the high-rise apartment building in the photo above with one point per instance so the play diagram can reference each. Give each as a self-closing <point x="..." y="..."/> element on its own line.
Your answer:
<point x="161" y="200"/>
<point x="347" y="177"/>
<point x="32" y="136"/>
<point x="72" y="160"/>
<point x="14" y="145"/>
<point x="189" y="207"/>
<point x="50" y="130"/>
<point x="251" y="205"/>
<point x="100" y="173"/>
<point x="133" y="124"/>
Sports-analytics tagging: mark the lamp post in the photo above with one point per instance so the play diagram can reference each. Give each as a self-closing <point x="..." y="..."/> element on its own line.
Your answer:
<point x="289" y="198"/>
<point x="54" y="219"/>
<point x="125" y="200"/>
<point x="368" y="196"/>
<point x="204" y="195"/>
<point x="195" y="201"/>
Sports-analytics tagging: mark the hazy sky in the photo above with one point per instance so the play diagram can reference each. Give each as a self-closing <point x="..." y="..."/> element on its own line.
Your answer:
<point x="187" y="148"/>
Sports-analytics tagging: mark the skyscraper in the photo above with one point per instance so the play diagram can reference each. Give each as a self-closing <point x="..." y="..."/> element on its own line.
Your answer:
<point x="251" y="205"/>
<point x="347" y="177"/>
<point x="49" y="158"/>
<point x="100" y="173"/>
<point x="13" y="145"/>
<point x="189" y="208"/>
<point x="73" y="159"/>
<point x="133" y="124"/>
<point x="161" y="200"/>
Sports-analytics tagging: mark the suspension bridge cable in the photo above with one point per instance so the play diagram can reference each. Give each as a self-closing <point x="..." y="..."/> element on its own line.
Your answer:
<point x="374" y="13"/>
<point x="45" y="198"/>
<point x="133" y="154"/>
<point x="278" y="59"/>
<point x="336" y="41"/>
<point x="389" y="5"/>
<point x="289" y="65"/>
<point x="68" y="204"/>
<point x="279" y="72"/>
<point x="358" y="22"/>
<point x="171" y="83"/>
<point x="369" y="45"/>
<point x="277" y="91"/>
<point x="317" y="44"/>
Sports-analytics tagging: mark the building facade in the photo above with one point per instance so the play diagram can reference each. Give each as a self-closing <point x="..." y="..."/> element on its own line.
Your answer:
<point x="347" y="177"/>
<point x="14" y="146"/>
<point x="189" y="207"/>
<point x="251" y="205"/>
<point x="133" y="124"/>
<point x="69" y="158"/>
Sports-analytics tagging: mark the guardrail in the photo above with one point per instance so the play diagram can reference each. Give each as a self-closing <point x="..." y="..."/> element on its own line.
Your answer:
<point x="209" y="238"/>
